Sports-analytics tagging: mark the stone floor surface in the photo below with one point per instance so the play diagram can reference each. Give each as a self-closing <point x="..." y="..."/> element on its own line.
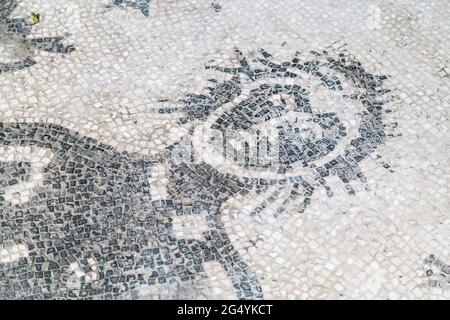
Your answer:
<point x="224" y="149"/>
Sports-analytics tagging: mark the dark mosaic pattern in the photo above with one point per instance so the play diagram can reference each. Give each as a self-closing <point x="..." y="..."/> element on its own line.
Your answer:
<point x="141" y="5"/>
<point x="95" y="210"/>
<point x="216" y="6"/>
<point x="17" y="30"/>
<point x="438" y="273"/>
<point x="92" y="221"/>
<point x="96" y="203"/>
<point x="294" y="146"/>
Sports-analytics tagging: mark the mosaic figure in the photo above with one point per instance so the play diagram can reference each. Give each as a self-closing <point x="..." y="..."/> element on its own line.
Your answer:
<point x="141" y="5"/>
<point x="18" y="48"/>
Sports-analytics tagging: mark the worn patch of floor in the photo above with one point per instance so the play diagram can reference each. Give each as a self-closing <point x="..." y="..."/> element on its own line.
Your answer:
<point x="193" y="149"/>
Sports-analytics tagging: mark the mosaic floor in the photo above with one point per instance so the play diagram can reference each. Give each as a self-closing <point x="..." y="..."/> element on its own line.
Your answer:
<point x="226" y="149"/>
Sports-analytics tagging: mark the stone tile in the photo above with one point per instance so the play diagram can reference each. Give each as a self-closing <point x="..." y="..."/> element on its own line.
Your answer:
<point x="233" y="150"/>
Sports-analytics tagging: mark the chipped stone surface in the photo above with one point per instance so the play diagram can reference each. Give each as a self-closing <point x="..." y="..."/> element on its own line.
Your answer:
<point x="229" y="150"/>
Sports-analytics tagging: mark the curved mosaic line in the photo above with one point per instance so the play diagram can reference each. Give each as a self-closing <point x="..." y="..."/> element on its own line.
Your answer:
<point x="437" y="272"/>
<point x="93" y="228"/>
<point x="301" y="150"/>
<point x="14" y="34"/>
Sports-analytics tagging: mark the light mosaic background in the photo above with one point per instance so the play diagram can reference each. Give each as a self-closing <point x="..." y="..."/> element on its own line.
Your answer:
<point x="368" y="245"/>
